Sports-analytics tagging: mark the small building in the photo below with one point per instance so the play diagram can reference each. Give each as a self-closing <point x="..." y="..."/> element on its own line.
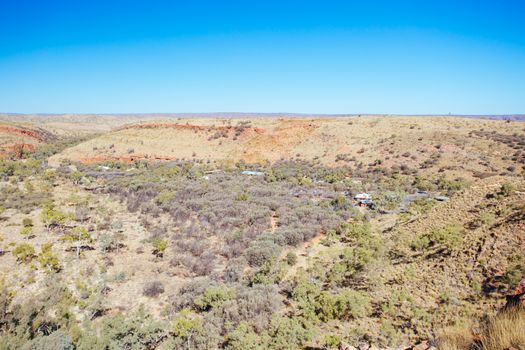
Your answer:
<point x="365" y="200"/>
<point x="362" y="197"/>
<point x="252" y="173"/>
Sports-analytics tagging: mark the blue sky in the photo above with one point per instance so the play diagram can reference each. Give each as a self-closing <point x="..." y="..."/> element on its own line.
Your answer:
<point x="399" y="57"/>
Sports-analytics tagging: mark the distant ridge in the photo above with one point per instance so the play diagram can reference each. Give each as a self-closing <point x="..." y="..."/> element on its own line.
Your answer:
<point x="515" y="117"/>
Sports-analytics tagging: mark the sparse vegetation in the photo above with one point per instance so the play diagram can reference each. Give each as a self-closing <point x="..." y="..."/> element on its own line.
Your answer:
<point x="283" y="257"/>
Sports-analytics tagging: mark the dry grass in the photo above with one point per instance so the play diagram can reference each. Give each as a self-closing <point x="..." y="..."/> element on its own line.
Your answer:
<point x="503" y="331"/>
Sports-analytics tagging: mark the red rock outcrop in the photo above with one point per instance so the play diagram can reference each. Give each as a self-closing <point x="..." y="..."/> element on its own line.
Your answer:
<point x="518" y="296"/>
<point x="36" y="134"/>
<point x="17" y="150"/>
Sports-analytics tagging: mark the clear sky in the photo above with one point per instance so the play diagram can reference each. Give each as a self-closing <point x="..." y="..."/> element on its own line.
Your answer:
<point x="404" y="57"/>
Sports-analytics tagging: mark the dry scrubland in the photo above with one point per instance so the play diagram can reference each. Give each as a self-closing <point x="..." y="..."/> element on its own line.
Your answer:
<point x="145" y="234"/>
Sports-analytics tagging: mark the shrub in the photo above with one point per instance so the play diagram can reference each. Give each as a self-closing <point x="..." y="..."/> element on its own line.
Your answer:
<point x="164" y="198"/>
<point x="48" y="260"/>
<point x="254" y="305"/>
<point x="515" y="270"/>
<point x="506" y="189"/>
<point x="270" y="272"/>
<point x="357" y="231"/>
<point x="26" y="231"/>
<point x="214" y="297"/>
<point x="76" y="176"/>
<point x="340" y="203"/>
<point x="244" y="338"/>
<point x="331" y="340"/>
<point x="487" y="219"/>
<point x="390" y="200"/>
<point x="189" y="292"/>
<point x="291" y="258"/>
<point x="421" y="206"/>
<point x="261" y="252"/>
<point x="109" y="243"/>
<point x="27" y="222"/>
<point x="352" y="260"/>
<point x="242" y="196"/>
<point x="288" y="333"/>
<point x="80" y="236"/>
<point x="451" y="186"/>
<point x="24" y="252"/>
<point x="348" y="303"/>
<point x="186" y="325"/>
<point x="153" y="289"/>
<point x="159" y="246"/>
<point x="134" y="332"/>
<point x="234" y="270"/>
<point x="52" y="217"/>
<point x="58" y="340"/>
<point x="449" y="237"/>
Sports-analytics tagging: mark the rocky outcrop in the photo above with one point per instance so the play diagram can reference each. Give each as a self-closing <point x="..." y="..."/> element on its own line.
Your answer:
<point x="517" y="298"/>
<point x="17" y="150"/>
<point x="39" y="134"/>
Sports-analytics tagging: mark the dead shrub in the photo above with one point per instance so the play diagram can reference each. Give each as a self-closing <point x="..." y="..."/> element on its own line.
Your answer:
<point x="153" y="289"/>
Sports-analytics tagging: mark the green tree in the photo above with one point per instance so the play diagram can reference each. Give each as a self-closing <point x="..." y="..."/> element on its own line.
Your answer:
<point x="289" y="333"/>
<point x="48" y="260"/>
<point x="51" y="217"/>
<point x="80" y="237"/>
<point x="186" y="325"/>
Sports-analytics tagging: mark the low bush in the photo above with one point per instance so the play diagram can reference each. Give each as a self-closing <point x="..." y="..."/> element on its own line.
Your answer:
<point x="26" y="231"/>
<point x="261" y="252"/>
<point x="24" y="252"/>
<point x="48" y="260"/>
<point x="214" y="297"/>
<point x="159" y="246"/>
<point x="291" y="258"/>
<point x="449" y="237"/>
<point x="153" y="289"/>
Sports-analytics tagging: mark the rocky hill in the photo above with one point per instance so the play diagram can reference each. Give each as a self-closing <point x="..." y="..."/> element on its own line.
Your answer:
<point x="433" y="144"/>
